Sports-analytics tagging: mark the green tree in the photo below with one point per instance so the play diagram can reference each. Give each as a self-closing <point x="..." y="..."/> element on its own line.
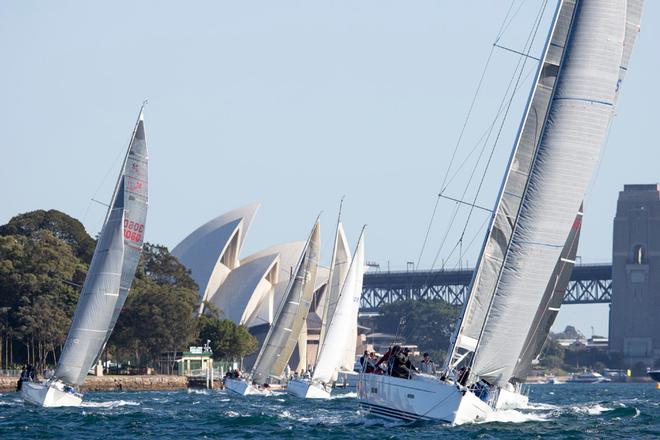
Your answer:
<point x="426" y="323"/>
<point x="63" y="226"/>
<point x="34" y="288"/>
<point x="228" y="340"/>
<point x="159" y="313"/>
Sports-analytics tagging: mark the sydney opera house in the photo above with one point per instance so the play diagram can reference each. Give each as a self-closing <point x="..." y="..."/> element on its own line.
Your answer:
<point x="248" y="290"/>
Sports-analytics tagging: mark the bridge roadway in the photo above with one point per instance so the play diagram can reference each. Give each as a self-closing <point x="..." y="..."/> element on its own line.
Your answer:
<point x="590" y="284"/>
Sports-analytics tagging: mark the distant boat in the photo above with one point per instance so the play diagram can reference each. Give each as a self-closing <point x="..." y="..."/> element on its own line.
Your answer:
<point x="512" y="300"/>
<point x="341" y="326"/>
<point x="282" y="337"/>
<point x="654" y="374"/>
<point x="587" y="377"/>
<point x="106" y="286"/>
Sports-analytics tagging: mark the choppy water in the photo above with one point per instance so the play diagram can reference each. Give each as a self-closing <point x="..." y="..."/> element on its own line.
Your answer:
<point x="557" y="411"/>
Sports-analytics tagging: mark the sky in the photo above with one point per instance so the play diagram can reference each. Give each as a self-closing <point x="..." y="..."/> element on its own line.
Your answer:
<point x="294" y="104"/>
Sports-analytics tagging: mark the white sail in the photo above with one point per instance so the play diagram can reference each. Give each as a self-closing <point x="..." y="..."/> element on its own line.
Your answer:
<point x="343" y="321"/>
<point x="341" y="260"/>
<point x="112" y="269"/>
<point x="292" y="313"/>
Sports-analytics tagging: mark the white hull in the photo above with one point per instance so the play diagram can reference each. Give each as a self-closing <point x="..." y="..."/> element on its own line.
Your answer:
<point x="244" y="388"/>
<point x="306" y="389"/>
<point x="49" y="395"/>
<point x="511" y="399"/>
<point x="422" y="398"/>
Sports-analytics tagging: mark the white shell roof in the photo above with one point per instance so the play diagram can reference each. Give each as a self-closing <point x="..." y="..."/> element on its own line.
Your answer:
<point x="202" y="250"/>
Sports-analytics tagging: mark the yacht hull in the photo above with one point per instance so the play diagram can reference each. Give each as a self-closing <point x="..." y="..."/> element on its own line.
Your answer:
<point x="244" y="388"/>
<point x="48" y="395"/>
<point x="423" y="397"/>
<point x="306" y="389"/>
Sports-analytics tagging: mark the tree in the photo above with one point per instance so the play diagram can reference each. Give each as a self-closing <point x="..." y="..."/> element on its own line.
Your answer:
<point x="426" y="323"/>
<point x="159" y="312"/>
<point x="228" y="340"/>
<point x="34" y="287"/>
<point x="62" y="226"/>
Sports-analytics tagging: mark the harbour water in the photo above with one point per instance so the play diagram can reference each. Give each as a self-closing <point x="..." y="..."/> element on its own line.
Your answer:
<point x="567" y="411"/>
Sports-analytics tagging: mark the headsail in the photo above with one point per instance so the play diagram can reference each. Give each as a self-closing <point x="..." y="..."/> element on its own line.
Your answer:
<point x="283" y="334"/>
<point x="342" y="323"/>
<point x="557" y="149"/>
<point x="550" y="303"/>
<point x="112" y="269"/>
<point x="341" y="260"/>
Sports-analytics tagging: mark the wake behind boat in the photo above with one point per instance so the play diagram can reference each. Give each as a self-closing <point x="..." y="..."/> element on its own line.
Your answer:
<point x="533" y="229"/>
<point x="106" y="285"/>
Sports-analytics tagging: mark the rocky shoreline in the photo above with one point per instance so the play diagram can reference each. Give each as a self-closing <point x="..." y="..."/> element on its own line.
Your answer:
<point x="154" y="382"/>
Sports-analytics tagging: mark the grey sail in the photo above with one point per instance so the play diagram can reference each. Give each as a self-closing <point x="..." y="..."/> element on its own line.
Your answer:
<point x="291" y="315"/>
<point x="112" y="269"/>
<point x="550" y="303"/>
<point x="134" y="191"/>
<point x="557" y="149"/>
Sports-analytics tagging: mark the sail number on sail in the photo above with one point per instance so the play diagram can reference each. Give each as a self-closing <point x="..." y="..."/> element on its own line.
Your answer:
<point x="133" y="230"/>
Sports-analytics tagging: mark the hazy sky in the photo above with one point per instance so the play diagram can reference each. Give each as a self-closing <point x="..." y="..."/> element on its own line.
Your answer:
<point x="292" y="104"/>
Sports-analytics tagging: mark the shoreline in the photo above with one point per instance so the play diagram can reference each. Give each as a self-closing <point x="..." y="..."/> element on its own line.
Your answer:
<point x="155" y="382"/>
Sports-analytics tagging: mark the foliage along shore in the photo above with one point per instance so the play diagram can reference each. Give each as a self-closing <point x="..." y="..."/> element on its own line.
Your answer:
<point x="44" y="256"/>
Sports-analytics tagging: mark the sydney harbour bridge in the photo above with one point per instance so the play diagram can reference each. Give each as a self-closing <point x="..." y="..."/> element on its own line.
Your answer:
<point x="590" y="284"/>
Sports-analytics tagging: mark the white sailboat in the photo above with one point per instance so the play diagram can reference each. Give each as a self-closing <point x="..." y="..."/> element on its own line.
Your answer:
<point x="557" y="148"/>
<point x="287" y="325"/>
<point x="341" y="329"/>
<point x="106" y="286"/>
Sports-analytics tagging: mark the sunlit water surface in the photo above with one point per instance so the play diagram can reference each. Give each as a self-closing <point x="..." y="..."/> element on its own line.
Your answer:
<point x="556" y="411"/>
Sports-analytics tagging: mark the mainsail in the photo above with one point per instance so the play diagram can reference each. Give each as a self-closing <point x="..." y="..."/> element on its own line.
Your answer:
<point x="292" y="313"/>
<point x="556" y="151"/>
<point x="113" y="265"/>
<point x="342" y="323"/>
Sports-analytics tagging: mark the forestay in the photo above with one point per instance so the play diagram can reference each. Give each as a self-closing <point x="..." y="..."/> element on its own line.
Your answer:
<point x="292" y="313"/>
<point x="113" y="265"/>
<point x="343" y="322"/>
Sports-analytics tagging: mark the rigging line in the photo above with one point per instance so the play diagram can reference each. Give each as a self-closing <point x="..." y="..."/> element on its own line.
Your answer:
<point x="518" y="71"/>
<point x="505" y="27"/>
<point x="474" y="169"/>
<point x="531" y="40"/>
<point x="461" y="134"/>
<point x="453" y="155"/>
<point x="486" y="131"/>
<point x="500" y="32"/>
<point x="492" y="298"/>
